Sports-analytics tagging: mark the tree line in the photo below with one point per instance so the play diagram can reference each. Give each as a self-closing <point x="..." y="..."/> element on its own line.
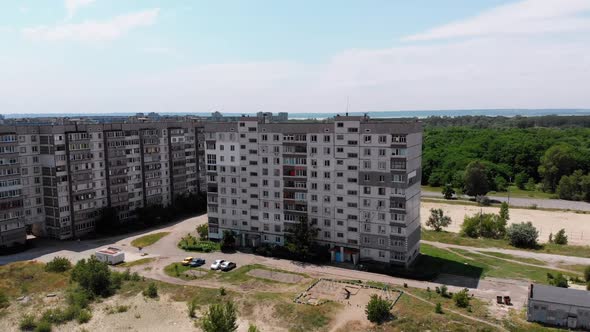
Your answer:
<point x="555" y="160"/>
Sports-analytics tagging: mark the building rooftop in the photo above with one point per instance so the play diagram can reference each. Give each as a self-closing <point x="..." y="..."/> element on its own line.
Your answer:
<point x="560" y="295"/>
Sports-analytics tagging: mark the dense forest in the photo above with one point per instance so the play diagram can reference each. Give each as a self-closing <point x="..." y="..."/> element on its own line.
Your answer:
<point x="550" y="153"/>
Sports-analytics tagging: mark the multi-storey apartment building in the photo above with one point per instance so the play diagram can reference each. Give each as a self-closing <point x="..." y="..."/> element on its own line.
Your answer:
<point x="56" y="179"/>
<point x="355" y="179"/>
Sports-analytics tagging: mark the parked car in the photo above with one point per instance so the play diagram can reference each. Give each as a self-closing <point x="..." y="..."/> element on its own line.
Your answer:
<point x="226" y="266"/>
<point x="217" y="264"/>
<point x="196" y="262"/>
<point x="187" y="260"/>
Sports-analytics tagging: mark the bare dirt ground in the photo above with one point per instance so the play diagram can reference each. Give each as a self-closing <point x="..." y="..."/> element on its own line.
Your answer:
<point x="577" y="226"/>
<point x="354" y="298"/>
<point x="288" y="278"/>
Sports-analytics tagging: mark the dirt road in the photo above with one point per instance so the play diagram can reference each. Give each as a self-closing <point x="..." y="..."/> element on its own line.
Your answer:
<point x="527" y="202"/>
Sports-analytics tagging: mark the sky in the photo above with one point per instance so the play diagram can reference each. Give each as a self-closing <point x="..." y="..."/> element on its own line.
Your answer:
<point x="106" y="56"/>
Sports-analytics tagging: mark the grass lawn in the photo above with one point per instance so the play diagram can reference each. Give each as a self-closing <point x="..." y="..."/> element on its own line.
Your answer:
<point x="240" y="274"/>
<point x="468" y="264"/>
<point x="547" y="248"/>
<point x="140" y="261"/>
<point x="414" y="315"/>
<point x="177" y="270"/>
<point x="515" y="258"/>
<point x="148" y="240"/>
<point x="514" y="192"/>
<point x="24" y="278"/>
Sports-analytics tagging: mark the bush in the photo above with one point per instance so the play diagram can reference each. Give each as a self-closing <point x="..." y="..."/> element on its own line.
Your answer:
<point x="486" y="225"/>
<point x="523" y="235"/>
<point x="43" y="326"/>
<point x="78" y="297"/>
<point x="587" y="273"/>
<point x="558" y="280"/>
<point x="58" y="264"/>
<point x="438" y="308"/>
<point x="443" y="291"/>
<point x="461" y="298"/>
<point x="448" y="191"/>
<point x="220" y="318"/>
<point x="27" y="322"/>
<point x="192" y="307"/>
<point x="253" y="328"/>
<point x="151" y="291"/>
<point x="84" y="316"/>
<point x="222" y="291"/>
<point x="190" y="243"/>
<point x="378" y="309"/>
<point x="135" y="277"/>
<point x="4" y="301"/>
<point x="560" y="237"/>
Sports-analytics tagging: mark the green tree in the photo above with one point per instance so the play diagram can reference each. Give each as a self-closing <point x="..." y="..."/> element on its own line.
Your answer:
<point x="58" y="264"/>
<point x="501" y="183"/>
<point x="300" y="238"/>
<point x="203" y="231"/>
<point x="93" y="276"/>
<point x="560" y="237"/>
<point x="220" y="318"/>
<point x="475" y="179"/>
<point x="461" y="298"/>
<point x="557" y="161"/>
<point x="587" y="273"/>
<point x="228" y="242"/>
<point x="523" y="235"/>
<point x="378" y="309"/>
<point x="520" y="180"/>
<point x="448" y="191"/>
<point x="438" y="220"/>
<point x="504" y="211"/>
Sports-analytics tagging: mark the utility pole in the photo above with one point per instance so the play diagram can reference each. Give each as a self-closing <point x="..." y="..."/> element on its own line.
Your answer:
<point x="509" y="183"/>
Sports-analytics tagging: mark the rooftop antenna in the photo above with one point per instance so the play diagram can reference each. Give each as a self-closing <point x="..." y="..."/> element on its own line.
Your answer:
<point x="347" y="104"/>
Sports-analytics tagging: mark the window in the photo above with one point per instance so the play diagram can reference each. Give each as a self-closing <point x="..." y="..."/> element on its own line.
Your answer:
<point x="382" y="139"/>
<point x="326" y="138"/>
<point x="367" y="138"/>
<point x="340" y="124"/>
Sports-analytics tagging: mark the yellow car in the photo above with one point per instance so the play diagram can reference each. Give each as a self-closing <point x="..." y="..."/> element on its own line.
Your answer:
<point x="186" y="260"/>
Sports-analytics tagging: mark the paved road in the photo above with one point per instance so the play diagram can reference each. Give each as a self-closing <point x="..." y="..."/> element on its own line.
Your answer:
<point x="528" y="202"/>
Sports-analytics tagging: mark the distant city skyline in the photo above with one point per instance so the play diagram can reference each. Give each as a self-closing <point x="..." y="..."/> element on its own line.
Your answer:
<point x="108" y="56"/>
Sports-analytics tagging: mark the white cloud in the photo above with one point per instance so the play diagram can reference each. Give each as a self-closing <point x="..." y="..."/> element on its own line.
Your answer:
<point x="491" y="69"/>
<point x="72" y="6"/>
<point x="93" y="31"/>
<point x="524" y="17"/>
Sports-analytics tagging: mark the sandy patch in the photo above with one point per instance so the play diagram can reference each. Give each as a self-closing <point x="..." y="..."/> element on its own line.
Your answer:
<point x="577" y="226"/>
<point x="288" y="278"/>
<point x="143" y="314"/>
